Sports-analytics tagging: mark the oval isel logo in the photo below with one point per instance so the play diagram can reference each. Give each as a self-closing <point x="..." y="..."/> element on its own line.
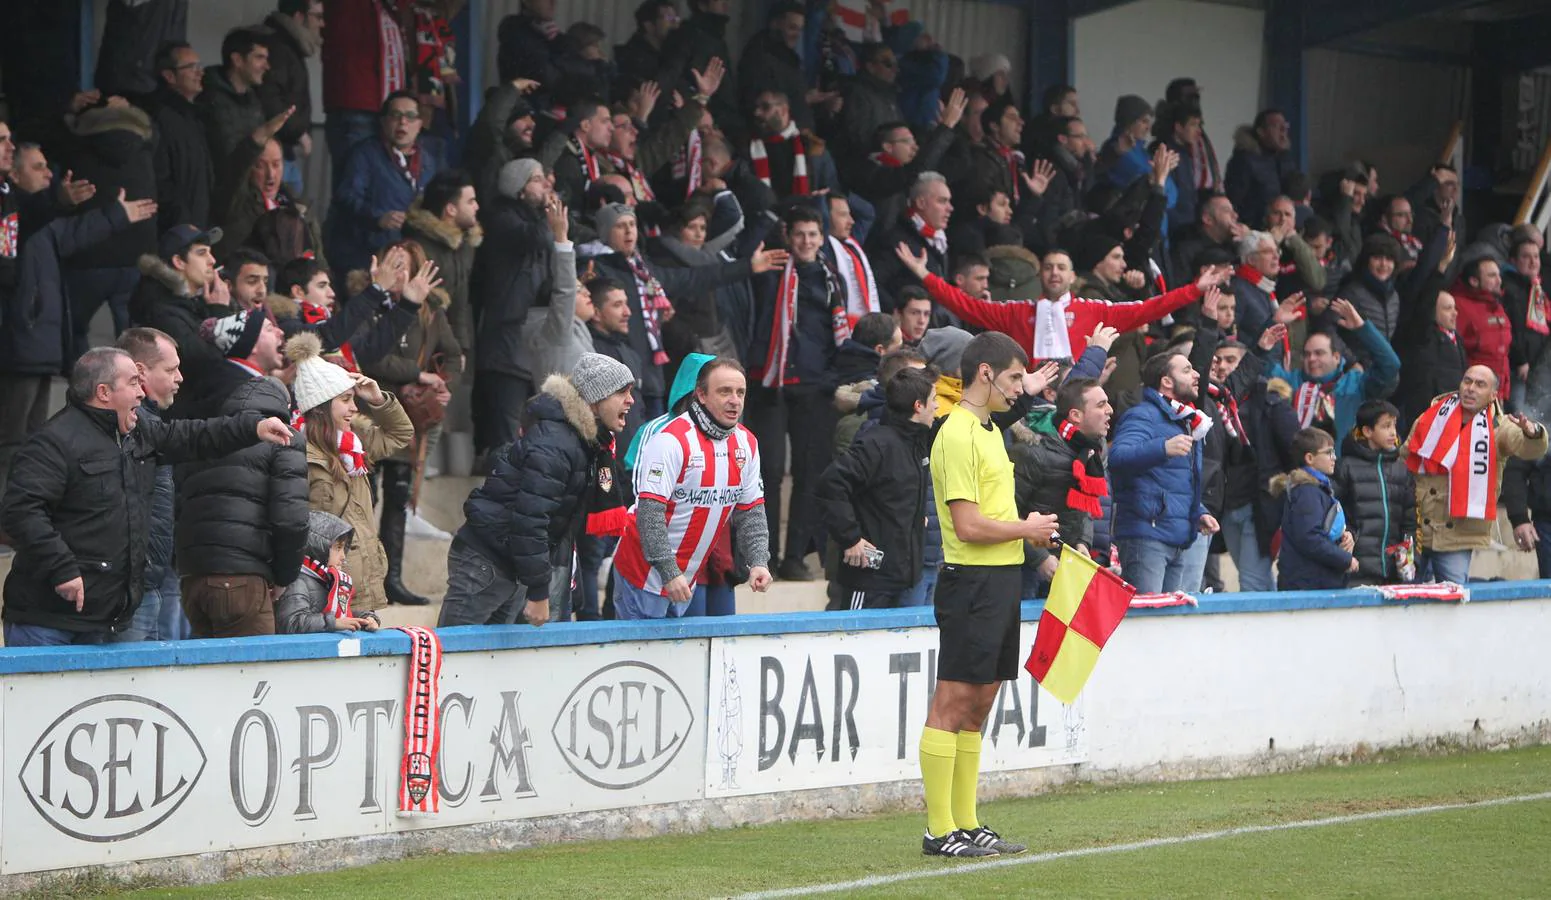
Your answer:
<point x="112" y="767"/>
<point x="623" y="725"/>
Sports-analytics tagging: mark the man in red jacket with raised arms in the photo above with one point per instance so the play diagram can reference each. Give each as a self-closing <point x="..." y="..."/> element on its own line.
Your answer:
<point x="1048" y="327"/>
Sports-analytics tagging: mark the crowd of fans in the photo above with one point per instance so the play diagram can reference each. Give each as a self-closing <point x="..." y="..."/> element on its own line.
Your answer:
<point x="803" y="236"/>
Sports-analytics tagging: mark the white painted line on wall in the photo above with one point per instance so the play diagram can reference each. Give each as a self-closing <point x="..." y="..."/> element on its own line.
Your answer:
<point x="968" y="868"/>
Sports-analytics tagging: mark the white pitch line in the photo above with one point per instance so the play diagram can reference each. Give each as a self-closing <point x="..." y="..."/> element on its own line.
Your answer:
<point x="873" y="881"/>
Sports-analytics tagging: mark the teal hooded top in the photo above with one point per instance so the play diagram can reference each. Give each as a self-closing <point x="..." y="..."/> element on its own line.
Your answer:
<point x="683" y="384"/>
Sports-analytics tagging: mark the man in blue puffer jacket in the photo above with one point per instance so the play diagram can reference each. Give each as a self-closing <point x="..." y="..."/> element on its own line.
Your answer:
<point x="1155" y="468"/>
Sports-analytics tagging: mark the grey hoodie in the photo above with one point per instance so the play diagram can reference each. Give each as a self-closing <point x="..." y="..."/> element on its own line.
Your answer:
<point x="553" y="338"/>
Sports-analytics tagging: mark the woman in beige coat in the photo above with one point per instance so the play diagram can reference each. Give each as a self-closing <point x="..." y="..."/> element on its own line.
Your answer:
<point x="341" y="446"/>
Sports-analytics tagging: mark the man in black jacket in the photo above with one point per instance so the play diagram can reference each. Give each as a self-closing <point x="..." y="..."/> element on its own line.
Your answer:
<point x="644" y="56"/>
<point x="610" y="331"/>
<point x="510" y="268"/>
<point x="77" y="505"/>
<point x="185" y="174"/>
<point x="546" y="490"/>
<point x="35" y="332"/>
<point x="177" y="290"/>
<point x="1046" y="469"/>
<point x="702" y="38"/>
<point x="769" y="62"/>
<point x="296" y="28"/>
<point x="791" y="362"/>
<point x="242" y="519"/>
<point x="873" y="498"/>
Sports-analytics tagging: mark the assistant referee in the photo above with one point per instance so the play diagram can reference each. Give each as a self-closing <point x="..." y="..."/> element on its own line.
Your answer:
<point x="978" y="592"/>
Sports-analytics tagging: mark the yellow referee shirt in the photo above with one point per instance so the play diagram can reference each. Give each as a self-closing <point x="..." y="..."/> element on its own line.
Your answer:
<point x="970" y="462"/>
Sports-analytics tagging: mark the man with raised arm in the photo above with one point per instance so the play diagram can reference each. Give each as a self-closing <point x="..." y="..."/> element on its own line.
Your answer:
<point x="1051" y="325"/>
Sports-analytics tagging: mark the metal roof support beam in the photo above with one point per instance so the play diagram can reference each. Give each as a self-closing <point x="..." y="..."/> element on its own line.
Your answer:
<point x="1286" y="24"/>
<point x="1051" y="45"/>
<point x="1516" y="46"/>
<point x="1328" y="20"/>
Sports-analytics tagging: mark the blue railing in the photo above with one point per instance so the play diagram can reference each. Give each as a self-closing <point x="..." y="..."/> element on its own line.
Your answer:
<point x="23" y="660"/>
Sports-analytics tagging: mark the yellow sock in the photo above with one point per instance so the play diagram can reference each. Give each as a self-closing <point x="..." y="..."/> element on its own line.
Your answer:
<point x="938" y="754"/>
<point x="966" y="779"/>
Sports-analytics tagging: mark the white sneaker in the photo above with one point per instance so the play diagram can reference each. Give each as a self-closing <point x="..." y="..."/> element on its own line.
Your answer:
<point x="417" y="527"/>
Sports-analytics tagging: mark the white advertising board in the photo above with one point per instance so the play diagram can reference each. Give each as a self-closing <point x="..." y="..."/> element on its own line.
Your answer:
<point x="798" y="711"/>
<point x="130" y="764"/>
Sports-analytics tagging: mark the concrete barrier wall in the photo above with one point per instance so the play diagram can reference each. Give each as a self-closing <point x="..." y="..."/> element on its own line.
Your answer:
<point x="199" y="758"/>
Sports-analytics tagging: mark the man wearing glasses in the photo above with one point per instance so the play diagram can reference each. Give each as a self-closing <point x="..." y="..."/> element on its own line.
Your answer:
<point x="382" y="179"/>
<point x="184" y="172"/>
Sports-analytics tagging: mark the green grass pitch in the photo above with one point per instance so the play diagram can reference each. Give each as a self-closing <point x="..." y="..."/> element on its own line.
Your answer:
<point x="1486" y="851"/>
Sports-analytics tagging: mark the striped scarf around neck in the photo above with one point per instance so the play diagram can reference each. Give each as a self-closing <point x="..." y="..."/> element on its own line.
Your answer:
<point x="759" y="156"/>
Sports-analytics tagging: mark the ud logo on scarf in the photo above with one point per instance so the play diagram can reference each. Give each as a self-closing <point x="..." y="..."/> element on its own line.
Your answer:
<point x="422" y="724"/>
<point x="1443" y="443"/>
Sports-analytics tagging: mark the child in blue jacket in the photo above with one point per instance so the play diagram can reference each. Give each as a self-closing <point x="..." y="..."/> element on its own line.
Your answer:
<point x="1316" y="551"/>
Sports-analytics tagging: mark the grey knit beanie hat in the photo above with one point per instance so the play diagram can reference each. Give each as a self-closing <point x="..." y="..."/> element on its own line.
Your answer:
<point x="609" y="214"/>
<point x="596" y="377"/>
<point x="515" y="175"/>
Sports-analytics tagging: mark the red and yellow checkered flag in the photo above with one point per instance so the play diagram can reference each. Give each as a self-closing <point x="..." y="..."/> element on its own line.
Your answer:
<point x="1085" y="606"/>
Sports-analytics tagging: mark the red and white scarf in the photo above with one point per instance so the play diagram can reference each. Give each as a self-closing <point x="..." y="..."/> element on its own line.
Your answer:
<point x="250" y="368"/>
<point x="1205" y="163"/>
<point x="1229" y="405"/>
<point x="856" y="274"/>
<point x="1253" y="275"/>
<point x="886" y="160"/>
<point x="1088" y="482"/>
<point x="407" y="163"/>
<point x="1443" y="443"/>
<point x="391" y="43"/>
<point x="418" y="795"/>
<point x="1537" y="317"/>
<point x="1409" y="242"/>
<point x="1197" y="421"/>
<point x="857" y="20"/>
<point x="1014" y="162"/>
<point x="341" y="590"/>
<point x="654" y="301"/>
<point x="1267" y="284"/>
<point x="592" y="169"/>
<point x="760" y="158"/>
<point x="689" y="163"/>
<point x="352" y="453"/>
<point x="638" y="182"/>
<point x="937" y="240"/>
<point x="1051" y="338"/>
<point x="781" y="328"/>
<point x="784" y="322"/>
<point x="1315" y="402"/>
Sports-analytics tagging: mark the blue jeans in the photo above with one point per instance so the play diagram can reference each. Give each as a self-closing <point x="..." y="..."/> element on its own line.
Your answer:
<point x="478" y="593"/>
<point x="631" y="602"/>
<point x="1543" y="549"/>
<point x="1238" y="532"/>
<point x="922" y="593"/>
<point x="591" y="552"/>
<point x="1451" y="565"/>
<point x="1194" y="565"/>
<point x="1154" y="567"/>
<point x="160" y="616"/>
<point x="19" y="635"/>
<point x="291" y="176"/>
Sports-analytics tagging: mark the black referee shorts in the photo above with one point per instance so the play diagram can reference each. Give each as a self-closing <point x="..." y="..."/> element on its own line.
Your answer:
<point x="978" y="618"/>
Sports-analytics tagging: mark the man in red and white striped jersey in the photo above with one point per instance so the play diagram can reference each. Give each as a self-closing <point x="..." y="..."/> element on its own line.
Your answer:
<point x="695" y="477"/>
